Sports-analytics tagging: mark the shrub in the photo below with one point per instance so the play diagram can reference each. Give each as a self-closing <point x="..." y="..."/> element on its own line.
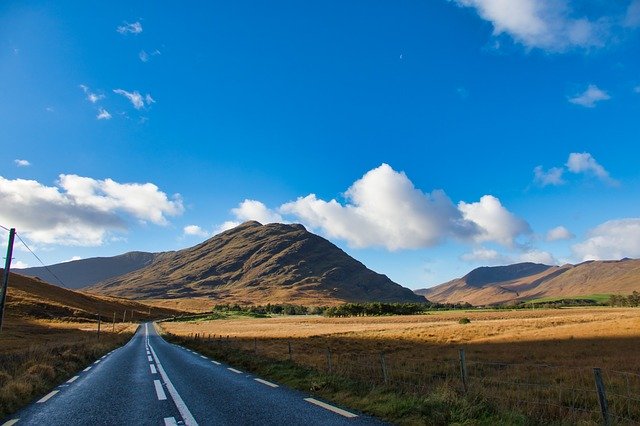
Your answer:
<point x="464" y="320"/>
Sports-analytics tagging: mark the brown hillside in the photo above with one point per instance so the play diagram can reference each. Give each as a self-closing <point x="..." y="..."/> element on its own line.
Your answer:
<point x="257" y="264"/>
<point x="31" y="298"/>
<point x="504" y="284"/>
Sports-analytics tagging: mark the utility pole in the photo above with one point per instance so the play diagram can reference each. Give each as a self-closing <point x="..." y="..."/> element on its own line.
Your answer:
<point x="5" y="281"/>
<point x="124" y="314"/>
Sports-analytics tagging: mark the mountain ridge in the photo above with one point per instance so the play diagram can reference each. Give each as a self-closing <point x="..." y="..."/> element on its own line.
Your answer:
<point x="255" y="263"/>
<point x="524" y="281"/>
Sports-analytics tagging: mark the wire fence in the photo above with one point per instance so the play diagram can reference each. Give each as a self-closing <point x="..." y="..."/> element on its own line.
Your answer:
<point x="546" y="393"/>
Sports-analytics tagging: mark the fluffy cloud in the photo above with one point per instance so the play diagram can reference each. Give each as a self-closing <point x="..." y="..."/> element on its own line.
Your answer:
<point x="553" y="176"/>
<point x="384" y="209"/>
<point x="146" y="57"/>
<point x="484" y="255"/>
<point x="103" y="114"/>
<point x="590" y="97"/>
<point x="195" y="230"/>
<point x="496" y="222"/>
<point x="136" y="99"/>
<point x="632" y="17"/>
<point x="127" y="28"/>
<point x="559" y="233"/>
<point x="614" y="239"/>
<point x="22" y="163"/>
<point x="80" y="210"/>
<point x="91" y="97"/>
<point x="545" y="24"/>
<point x="251" y="210"/>
<point x="585" y="163"/>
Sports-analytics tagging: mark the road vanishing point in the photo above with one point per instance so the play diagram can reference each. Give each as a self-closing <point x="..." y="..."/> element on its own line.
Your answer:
<point x="149" y="381"/>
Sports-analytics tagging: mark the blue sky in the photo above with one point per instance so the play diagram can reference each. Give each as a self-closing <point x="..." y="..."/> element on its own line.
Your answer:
<point x="424" y="138"/>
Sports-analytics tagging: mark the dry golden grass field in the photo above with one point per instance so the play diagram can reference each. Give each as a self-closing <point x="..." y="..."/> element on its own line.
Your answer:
<point x="603" y="337"/>
<point x="536" y="363"/>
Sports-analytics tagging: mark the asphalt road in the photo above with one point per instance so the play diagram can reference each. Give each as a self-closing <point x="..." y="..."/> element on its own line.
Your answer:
<point x="152" y="382"/>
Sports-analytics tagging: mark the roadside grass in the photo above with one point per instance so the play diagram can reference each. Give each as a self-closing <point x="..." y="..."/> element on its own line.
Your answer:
<point x="29" y="372"/>
<point x="443" y="405"/>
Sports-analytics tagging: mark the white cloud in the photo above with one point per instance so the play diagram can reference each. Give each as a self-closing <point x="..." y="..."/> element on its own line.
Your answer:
<point x="73" y="258"/>
<point x="559" y="233"/>
<point x="18" y="264"/>
<point x="136" y="99"/>
<point x="614" y="239"/>
<point x="493" y="257"/>
<point x="636" y="89"/>
<point x="553" y="176"/>
<point x="632" y="17"/>
<point x="544" y="24"/>
<point x="103" y="114"/>
<point x="80" y="210"/>
<point x="537" y="256"/>
<point x="384" y="209"/>
<point x="134" y="28"/>
<point x="585" y="163"/>
<point x="91" y="97"/>
<point x="22" y="163"/>
<point x="250" y="210"/>
<point x="484" y="255"/>
<point x="590" y="97"/>
<point x="195" y="230"/>
<point x="496" y="222"/>
<point x="146" y="57"/>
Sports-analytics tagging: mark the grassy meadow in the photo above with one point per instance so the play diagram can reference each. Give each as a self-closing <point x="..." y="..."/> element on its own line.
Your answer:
<point x="523" y="366"/>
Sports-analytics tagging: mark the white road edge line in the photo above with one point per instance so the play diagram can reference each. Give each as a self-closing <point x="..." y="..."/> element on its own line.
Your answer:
<point x="170" y="421"/>
<point x="73" y="379"/>
<point x="87" y="369"/>
<point x="187" y="417"/>
<point x="265" y="382"/>
<point x="234" y="370"/>
<point x="202" y="356"/>
<point x="215" y="362"/>
<point x="153" y="369"/>
<point x="10" y="422"/>
<point x="331" y="408"/>
<point x="159" y="390"/>
<point x="47" y="396"/>
<point x="149" y="359"/>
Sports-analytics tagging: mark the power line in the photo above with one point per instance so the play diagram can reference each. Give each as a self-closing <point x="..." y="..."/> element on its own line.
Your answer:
<point x="4" y="227"/>
<point x="40" y="260"/>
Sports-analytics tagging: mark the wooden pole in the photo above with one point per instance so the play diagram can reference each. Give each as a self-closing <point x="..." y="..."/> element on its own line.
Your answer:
<point x="463" y="371"/>
<point x="602" y="396"/>
<point x="5" y="278"/>
<point x="99" y="321"/>
<point x="384" y="368"/>
<point x="114" y="322"/>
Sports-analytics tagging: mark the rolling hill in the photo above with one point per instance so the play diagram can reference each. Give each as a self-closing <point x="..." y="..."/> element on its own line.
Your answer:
<point x="524" y="281"/>
<point x="29" y="297"/>
<point x="85" y="272"/>
<point x="258" y="264"/>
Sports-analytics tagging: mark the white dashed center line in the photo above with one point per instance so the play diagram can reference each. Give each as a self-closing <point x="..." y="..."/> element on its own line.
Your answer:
<point x="170" y="421"/>
<point x="234" y="370"/>
<point x="149" y="358"/>
<point x="215" y="362"/>
<point x="73" y="379"/>
<point x="87" y="369"/>
<point x="10" y="422"/>
<point x="264" y="382"/>
<point x="48" y="396"/>
<point x="202" y="356"/>
<point x="160" y="390"/>
<point x="331" y="408"/>
<point x="153" y="369"/>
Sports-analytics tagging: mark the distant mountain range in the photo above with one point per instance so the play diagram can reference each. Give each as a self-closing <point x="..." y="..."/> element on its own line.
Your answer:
<point x="524" y="281"/>
<point x="77" y="274"/>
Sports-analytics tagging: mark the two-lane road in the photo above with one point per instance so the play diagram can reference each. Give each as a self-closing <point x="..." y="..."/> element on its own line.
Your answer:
<point x="152" y="382"/>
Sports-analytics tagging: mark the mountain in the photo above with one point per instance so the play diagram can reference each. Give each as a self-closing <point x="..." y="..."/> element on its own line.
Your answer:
<point x="85" y="272"/>
<point x="29" y="297"/>
<point x="524" y="281"/>
<point x="258" y="264"/>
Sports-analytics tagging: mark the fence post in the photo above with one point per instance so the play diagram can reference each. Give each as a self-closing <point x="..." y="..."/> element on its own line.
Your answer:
<point x="255" y="345"/>
<point x="289" y="344"/>
<point x="602" y="396"/>
<point x="114" y="322"/>
<point x="99" y="321"/>
<point x="384" y="368"/>
<point x="463" y="371"/>
<point x="329" y="360"/>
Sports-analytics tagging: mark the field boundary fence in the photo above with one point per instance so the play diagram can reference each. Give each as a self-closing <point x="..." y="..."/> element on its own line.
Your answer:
<point x="540" y="391"/>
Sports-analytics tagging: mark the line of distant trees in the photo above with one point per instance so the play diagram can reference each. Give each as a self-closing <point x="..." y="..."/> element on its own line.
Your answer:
<point x="381" y="309"/>
<point x="631" y="300"/>
<point x="276" y="309"/>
